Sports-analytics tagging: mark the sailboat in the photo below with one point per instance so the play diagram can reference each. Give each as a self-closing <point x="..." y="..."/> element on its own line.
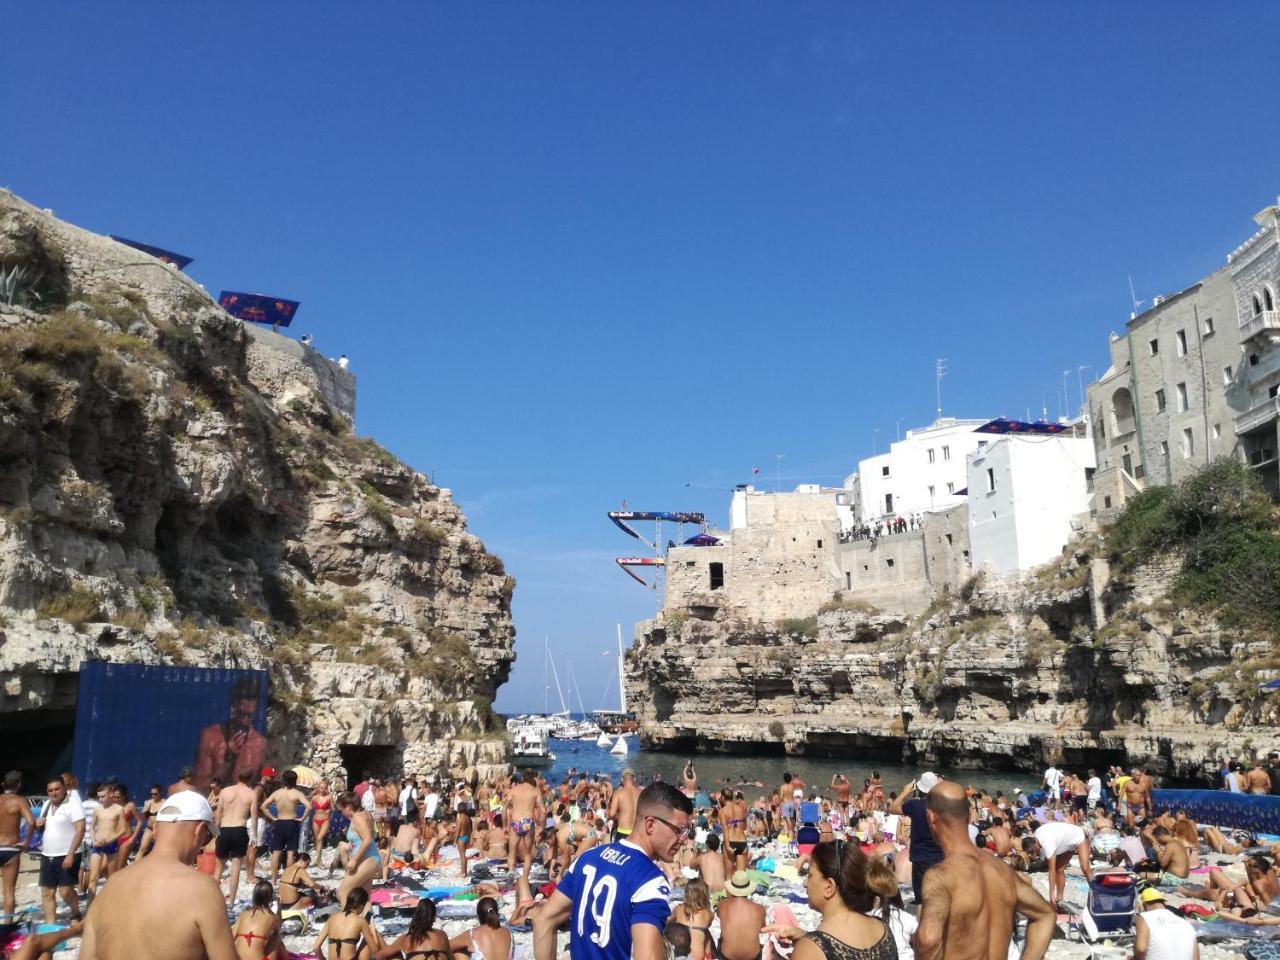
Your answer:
<point x="603" y="740"/>
<point x="620" y="748"/>
<point x="620" y="720"/>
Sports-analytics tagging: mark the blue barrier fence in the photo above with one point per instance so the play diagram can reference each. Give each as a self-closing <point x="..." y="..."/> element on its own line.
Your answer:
<point x="1242" y="811"/>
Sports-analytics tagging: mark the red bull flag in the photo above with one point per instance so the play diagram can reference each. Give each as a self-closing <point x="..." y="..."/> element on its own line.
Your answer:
<point x="258" y="307"/>
<point x="168" y="256"/>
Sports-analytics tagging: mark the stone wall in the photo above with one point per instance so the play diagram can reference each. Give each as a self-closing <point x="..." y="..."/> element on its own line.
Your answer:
<point x="284" y="369"/>
<point x="891" y="573"/>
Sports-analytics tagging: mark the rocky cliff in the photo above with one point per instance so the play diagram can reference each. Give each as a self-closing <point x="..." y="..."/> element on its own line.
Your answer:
<point x="1074" y="666"/>
<point x="173" y="490"/>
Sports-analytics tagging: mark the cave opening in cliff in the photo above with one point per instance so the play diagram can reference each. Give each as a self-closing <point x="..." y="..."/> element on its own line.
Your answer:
<point x="37" y="743"/>
<point x="365" y="760"/>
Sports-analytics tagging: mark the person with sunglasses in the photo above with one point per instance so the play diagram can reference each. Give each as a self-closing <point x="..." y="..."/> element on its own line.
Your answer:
<point x="615" y="895"/>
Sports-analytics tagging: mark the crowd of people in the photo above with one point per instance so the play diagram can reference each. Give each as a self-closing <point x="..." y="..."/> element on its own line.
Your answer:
<point x="884" y="527"/>
<point x="930" y="869"/>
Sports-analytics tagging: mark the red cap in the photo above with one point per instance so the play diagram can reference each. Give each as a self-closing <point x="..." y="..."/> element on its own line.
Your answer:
<point x="268" y="771"/>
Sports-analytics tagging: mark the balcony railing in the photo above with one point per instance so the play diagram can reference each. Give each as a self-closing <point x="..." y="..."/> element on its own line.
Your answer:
<point x="1258" y="416"/>
<point x="1267" y="320"/>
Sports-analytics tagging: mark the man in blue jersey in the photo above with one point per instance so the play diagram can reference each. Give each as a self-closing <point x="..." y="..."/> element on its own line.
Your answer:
<point x="614" y="896"/>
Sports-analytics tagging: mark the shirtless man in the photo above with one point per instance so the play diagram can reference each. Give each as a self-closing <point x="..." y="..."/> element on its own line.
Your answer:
<point x="741" y="919"/>
<point x="14" y="811"/>
<point x="463" y="828"/>
<point x="689" y="779"/>
<point x="710" y="864"/>
<point x="1257" y="780"/>
<point x="622" y="806"/>
<point x="733" y="815"/>
<point x="287" y="830"/>
<point x="160" y="906"/>
<point x="108" y="825"/>
<point x="407" y="843"/>
<point x="524" y="816"/>
<point x="1134" y="797"/>
<point x="970" y="896"/>
<point x="236" y="812"/>
<point x="1000" y="835"/>
<point x="1172" y="855"/>
<point x="185" y="781"/>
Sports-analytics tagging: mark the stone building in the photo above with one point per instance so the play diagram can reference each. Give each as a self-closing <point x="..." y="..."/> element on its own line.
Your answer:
<point x="1255" y="278"/>
<point x="1164" y="407"/>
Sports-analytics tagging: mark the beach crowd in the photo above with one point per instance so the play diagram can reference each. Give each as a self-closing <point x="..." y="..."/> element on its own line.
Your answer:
<point x="922" y="870"/>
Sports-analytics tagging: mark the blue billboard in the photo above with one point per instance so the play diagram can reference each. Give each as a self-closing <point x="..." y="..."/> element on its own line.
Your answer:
<point x="141" y="724"/>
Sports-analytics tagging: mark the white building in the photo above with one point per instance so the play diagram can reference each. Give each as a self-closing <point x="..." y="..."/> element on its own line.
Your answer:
<point x="1024" y="492"/>
<point x="925" y="470"/>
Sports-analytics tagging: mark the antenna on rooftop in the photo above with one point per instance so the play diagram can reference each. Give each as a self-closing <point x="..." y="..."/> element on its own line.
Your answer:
<point x="1066" y="397"/>
<point x="1134" y="297"/>
<point x="1044" y="404"/>
<point x="1080" y="379"/>
<point x="940" y="370"/>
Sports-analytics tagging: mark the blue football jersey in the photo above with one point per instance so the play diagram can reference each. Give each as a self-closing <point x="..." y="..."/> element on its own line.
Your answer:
<point x="613" y="887"/>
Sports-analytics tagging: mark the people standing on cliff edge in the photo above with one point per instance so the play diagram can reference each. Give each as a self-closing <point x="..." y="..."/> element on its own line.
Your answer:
<point x="971" y="897"/>
<point x="923" y="852"/>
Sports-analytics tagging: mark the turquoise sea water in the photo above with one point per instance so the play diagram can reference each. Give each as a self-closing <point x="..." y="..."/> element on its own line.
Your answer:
<point x="584" y="755"/>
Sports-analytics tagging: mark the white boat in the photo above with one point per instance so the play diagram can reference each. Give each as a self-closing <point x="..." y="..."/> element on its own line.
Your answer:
<point x="529" y="744"/>
<point x="620" y="748"/>
<point x="603" y="740"/>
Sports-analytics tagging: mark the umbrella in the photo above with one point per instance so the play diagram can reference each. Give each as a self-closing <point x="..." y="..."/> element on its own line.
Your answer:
<point x="306" y="776"/>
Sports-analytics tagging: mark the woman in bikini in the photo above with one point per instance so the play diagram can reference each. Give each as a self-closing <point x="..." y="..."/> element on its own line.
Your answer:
<point x="695" y="913"/>
<point x="321" y="810"/>
<point x="350" y="935"/>
<point x="496" y="848"/>
<point x="149" y="810"/>
<point x="364" y="862"/>
<point x="133" y="823"/>
<point x="421" y="940"/>
<point x="257" y="930"/>
<point x="297" y="891"/>
<point x="488" y="939"/>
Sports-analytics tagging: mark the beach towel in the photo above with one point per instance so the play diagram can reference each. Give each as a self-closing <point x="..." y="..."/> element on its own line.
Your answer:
<point x="774" y="949"/>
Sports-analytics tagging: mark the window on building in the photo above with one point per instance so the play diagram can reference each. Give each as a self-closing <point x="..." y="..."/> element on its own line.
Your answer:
<point x="1126" y="462"/>
<point x="888" y="503"/>
<point x="966" y="554"/>
<point x="848" y="580"/>
<point x="1160" y="404"/>
<point x="1155" y="346"/>
<point x="1106" y="503"/>
<point x="1226" y="376"/>
<point x="716" y="571"/>
<point x="1207" y="326"/>
<point x="981" y="444"/>
<point x="1188" y="444"/>
<point x="1182" y="398"/>
<point x="948" y="539"/>
<point x="951" y="487"/>
<point x="946" y="453"/>
<point x="1182" y="343"/>
<point x="1257" y="305"/>
<point x="884" y="471"/>
<point x="888" y="561"/>
<point x="1253" y="359"/>
<point x="1272" y="392"/>
<point x="865" y="568"/>
<point x="931" y="454"/>
<point x="1164" y="449"/>
<point x="1217" y="431"/>
<point x="690" y="563"/>
<point x="819" y="544"/>
<point x="931" y="493"/>
<point x="1267" y="300"/>
<point x="991" y="479"/>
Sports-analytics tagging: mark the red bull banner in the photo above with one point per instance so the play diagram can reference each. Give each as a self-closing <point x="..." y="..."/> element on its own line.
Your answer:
<point x="258" y="307"/>
<point x="160" y="253"/>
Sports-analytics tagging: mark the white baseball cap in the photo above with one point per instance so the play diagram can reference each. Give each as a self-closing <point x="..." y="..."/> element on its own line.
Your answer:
<point x="186" y="805"/>
<point x="927" y="781"/>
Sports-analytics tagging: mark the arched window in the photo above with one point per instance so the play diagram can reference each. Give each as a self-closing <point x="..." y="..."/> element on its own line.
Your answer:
<point x="1267" y="300"/>
<point x="1257" y="305"/>
<point x="1122" y="419"/>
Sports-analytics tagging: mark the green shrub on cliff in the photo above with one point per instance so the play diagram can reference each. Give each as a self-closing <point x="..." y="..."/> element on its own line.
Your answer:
<point x="1226" y="525"/>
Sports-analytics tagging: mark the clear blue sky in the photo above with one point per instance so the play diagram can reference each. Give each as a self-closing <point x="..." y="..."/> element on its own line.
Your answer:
<point x="581" y="252"/>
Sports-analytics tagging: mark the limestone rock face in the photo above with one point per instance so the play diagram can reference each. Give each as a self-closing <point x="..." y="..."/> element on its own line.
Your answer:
<point x="173" y="489"/>
<point x="1010" y="676"/>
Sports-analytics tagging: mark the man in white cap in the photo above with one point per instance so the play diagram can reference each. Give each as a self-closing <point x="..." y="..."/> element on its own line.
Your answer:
<point x="160" y="906"/>
<point x="924" y="852"/>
